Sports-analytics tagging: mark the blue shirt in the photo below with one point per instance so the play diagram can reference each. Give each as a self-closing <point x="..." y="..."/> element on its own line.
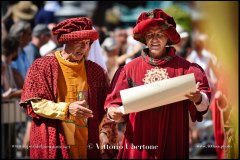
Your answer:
<point x="21" y="63"/>
<point x="32" y="52"/>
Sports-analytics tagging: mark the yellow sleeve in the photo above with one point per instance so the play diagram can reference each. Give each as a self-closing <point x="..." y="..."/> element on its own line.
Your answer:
<point x="50" y="109"/>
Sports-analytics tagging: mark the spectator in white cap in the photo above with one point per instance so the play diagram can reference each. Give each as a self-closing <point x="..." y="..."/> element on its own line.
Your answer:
<point x="183" y="48"/>
<point x="110" y="50"/>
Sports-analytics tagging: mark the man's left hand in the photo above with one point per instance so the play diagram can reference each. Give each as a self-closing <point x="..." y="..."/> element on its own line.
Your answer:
<point x="103" y="139"/>
<point x="103" y="142"/>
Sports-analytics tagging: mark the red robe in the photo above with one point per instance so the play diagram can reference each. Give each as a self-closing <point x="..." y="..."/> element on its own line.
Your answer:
<point x="219" y="119"/>
<point x="41" y="82"/>
<point x="165" y="129"/>
<point x="218" y="129"/>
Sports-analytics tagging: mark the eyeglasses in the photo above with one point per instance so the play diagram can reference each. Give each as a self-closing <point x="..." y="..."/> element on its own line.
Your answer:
<point x="83" y="95"/>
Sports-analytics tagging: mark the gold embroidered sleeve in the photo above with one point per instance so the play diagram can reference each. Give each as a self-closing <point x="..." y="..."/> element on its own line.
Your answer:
<point x="110" y="129"/>
<point x="50" y="109"/>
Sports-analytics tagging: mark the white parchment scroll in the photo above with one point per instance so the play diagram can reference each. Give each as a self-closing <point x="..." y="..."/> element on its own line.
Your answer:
<point x="157" y="94"/>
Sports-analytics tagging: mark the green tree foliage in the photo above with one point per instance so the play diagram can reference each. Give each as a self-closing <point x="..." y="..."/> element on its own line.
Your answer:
<point x="181" y="17"/>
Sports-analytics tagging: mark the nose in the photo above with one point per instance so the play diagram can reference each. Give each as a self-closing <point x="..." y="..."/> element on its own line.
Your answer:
<point x="155" y="37"/>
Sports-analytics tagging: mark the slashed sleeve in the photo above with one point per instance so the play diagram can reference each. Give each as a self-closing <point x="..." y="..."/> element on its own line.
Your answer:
<point x="50" y="109"/>
<point x="200" y="76"/>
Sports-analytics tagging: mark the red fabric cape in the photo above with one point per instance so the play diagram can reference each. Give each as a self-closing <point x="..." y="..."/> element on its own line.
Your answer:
<point x="217" y="117"/>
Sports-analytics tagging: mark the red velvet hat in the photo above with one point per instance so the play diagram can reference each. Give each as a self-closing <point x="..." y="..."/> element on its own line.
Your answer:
<point x="157" y="17"/>
<point x="75" y="29"/>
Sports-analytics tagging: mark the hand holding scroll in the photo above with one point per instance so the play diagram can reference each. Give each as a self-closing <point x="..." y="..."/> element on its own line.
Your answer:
<point x="195" y="97"/>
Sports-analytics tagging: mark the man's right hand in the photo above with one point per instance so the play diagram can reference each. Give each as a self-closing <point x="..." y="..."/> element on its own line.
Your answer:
<point x="115" y="114"/>
<point x="78" y="109"/>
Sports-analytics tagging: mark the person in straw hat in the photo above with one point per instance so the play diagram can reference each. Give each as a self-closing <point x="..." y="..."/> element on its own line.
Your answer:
<point x="64" y="124"/>
<point x="20" y="11"/>
<point x="160" y="132"/>
<point x="24" y="10"/>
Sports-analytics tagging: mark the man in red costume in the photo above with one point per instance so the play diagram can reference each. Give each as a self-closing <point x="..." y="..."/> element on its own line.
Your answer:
<point x="160" y="132"/>
<point x="221" y="115"/>
<point x="64" y="126"/>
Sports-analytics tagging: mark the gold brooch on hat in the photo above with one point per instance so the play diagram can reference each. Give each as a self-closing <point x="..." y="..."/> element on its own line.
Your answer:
<point x="150" y="14"/>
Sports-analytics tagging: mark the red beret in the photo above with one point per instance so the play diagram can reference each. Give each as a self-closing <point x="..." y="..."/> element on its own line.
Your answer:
<point x="75" y="29"/>
<point x="157" y="17"/>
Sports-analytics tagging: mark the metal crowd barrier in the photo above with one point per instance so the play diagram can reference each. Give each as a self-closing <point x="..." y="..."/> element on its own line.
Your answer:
<point x="13" y="122"/>
<point x="11" y="112"/>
